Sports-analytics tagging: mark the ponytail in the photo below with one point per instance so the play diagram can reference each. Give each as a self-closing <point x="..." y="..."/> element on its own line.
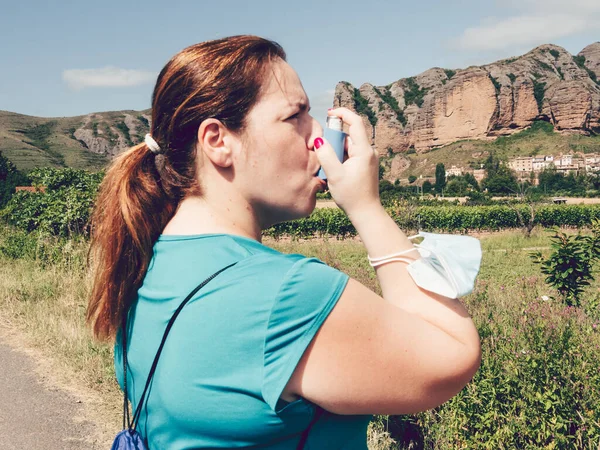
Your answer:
<point x="141" y="190"/>
<point x="130" y="213"/>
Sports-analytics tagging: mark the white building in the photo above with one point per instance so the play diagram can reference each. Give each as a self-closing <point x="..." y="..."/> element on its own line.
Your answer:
<point x="540" y="163"/>
<point x="564" y="160"/>
<point x="457" y="171"/>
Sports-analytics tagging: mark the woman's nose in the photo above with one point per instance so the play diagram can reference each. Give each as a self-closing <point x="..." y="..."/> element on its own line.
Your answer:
<point x="317" y="131"/>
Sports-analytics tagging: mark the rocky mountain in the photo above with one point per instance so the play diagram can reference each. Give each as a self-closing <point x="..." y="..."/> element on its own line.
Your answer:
<point x="87" y="142"/>
<point x="441" y="106"/>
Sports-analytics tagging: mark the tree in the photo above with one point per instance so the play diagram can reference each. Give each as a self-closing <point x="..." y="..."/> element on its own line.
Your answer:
<point x="412" y="179"/>
<point x="503" y="182"/>
<point x="569" y="266"/>
<point x="10" y="178"/>
<point x="457" y="186"/>
<point x="499" y="178"/>
<point x="470" y="179"/>
<point x="427" y="186"/>
<point x="440" y="177"/>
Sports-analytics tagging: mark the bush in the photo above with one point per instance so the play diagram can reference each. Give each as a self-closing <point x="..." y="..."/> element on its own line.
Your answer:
<point x="361" y="105"/>
<point x="539" y="90"/>
<point x="63" y="210"/>
<point x="446" y="218"/>
<point x="536" y="387"/>
<point x="18" y="244"/>
<point x="569" y="266"/>
<point x="413" y="93"/>
<point x="388" y="98"/>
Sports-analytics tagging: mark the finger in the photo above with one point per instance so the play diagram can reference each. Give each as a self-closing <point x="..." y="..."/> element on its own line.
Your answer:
<point x="356" y="127"/>
<point x="328" y="159"/>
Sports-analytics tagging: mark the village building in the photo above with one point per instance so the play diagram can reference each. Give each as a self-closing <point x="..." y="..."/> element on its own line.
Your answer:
<point x="456" y="171"/>
<point x="521" y="164"/>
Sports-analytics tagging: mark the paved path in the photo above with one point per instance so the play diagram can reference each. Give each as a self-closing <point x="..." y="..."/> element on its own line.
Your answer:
<point x="34" y="416"/>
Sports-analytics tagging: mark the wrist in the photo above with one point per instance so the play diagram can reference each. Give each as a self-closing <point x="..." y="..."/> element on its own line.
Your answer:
<point x="367" y="214"/>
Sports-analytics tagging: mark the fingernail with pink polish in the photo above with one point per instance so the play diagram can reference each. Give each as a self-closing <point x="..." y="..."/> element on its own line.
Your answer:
<point x="318" y="142"/>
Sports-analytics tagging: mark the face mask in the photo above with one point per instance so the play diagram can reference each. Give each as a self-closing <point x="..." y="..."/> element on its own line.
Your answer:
<point x="448" y="266"/>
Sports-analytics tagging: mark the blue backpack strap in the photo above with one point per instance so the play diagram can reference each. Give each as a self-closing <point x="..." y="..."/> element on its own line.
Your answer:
<point x="318" y="413"/>
<point x="136" y="416"/>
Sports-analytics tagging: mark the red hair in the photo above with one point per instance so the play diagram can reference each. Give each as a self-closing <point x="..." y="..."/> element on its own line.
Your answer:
<point x="140" y="193"/>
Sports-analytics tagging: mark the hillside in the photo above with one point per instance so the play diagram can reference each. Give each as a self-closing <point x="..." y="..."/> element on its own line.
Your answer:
<point x="537" y="140"/>
<point x="83" y="142"/>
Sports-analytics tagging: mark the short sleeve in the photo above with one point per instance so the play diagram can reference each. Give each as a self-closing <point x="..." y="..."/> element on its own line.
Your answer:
<point x="308" y="293"/>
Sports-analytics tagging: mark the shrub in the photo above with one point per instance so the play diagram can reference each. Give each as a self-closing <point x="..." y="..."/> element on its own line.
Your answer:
<point x="388" y="98"/>
<point x="580" y="61"/>
<point x="123" y="128"/>
<point x="361" y="105"/>
<point x="143" y="120"/>
<point x="413" y="93"/>
<point x="63" y="210"/>
<point x="496" y="84"/>
<point x="449" y="73"/>
<point x="539" y="89"/>
<point x="569" y="266"/>
<point x="545" y="66"/>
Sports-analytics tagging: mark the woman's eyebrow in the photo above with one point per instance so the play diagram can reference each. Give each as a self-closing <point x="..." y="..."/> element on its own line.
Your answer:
<point x="303" y="106"/>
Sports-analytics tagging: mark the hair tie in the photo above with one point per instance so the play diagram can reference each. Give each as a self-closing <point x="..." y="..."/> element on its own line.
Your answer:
<point x="152" y="145"/>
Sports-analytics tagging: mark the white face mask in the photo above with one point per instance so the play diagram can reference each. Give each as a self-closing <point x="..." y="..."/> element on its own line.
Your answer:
<point x="448" y="266"/>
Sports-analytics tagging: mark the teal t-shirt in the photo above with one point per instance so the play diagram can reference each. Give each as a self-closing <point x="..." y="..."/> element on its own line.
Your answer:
<point x="233" y="348"/>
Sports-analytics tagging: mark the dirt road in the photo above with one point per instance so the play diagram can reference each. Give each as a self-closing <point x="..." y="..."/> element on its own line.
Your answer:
<point x="35" y="415"/>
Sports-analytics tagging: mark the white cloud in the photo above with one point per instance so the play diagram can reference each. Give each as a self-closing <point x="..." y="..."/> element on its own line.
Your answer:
<point x="106" y="77"/>
<point x="539" y="22"/>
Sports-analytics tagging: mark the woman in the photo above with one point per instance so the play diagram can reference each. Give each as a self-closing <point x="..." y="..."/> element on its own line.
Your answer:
<point x="267" y="343"/>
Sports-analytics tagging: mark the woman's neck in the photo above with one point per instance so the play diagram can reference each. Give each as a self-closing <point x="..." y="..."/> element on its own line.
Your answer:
<point x="203" y="215"/>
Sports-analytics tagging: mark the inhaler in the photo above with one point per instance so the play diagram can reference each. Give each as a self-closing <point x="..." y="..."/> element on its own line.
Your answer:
<point x="336" y="137"/>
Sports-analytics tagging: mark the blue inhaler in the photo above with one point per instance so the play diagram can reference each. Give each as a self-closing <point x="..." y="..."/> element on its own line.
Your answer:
<point x="336" y="137"/>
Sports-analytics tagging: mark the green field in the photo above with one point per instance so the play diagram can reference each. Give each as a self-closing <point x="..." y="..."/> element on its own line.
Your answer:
<point x="538" y="386"/>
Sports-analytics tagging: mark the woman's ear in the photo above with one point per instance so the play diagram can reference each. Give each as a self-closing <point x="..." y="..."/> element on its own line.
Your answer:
<point x="215" y="141"/>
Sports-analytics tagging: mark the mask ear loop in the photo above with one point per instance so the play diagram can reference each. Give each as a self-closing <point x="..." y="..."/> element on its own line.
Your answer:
<point x="375" y="262"/>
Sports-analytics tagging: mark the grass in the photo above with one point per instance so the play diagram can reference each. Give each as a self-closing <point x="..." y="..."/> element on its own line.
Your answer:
<point x="43" y="294"/>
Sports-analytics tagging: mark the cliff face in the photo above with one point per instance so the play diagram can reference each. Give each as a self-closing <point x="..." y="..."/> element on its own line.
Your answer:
<point x="109" y="136"/>
<point x="441" y="106"/>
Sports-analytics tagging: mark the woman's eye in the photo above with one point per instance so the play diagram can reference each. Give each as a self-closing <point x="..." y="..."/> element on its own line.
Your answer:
<point x="295" y="116"/>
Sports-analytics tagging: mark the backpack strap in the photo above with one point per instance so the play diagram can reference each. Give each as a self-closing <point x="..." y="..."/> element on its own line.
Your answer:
<point x="318" y="413"/>
<point x="133" y="423"/>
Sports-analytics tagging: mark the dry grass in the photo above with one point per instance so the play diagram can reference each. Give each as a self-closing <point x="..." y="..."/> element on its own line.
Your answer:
<point x="45" y="306"/>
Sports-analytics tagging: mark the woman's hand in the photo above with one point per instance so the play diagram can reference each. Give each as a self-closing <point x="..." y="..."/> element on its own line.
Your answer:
<point x="354" y="185"/>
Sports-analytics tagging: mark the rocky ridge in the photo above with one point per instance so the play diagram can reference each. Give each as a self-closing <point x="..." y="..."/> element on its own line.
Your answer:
<point x="441" y="106"/>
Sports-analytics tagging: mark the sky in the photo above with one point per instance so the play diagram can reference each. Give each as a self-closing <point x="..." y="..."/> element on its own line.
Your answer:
<point x="75" y="57"/>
